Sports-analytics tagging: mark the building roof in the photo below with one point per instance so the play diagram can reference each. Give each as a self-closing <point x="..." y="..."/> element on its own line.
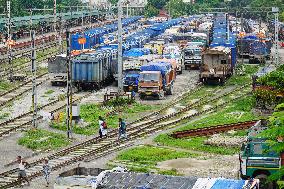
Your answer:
<point x="147" y="181"/>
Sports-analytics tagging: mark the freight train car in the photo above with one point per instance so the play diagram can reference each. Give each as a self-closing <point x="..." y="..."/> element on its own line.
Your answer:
<point x="93" y="70"/>
<point x="216" y="64"/>
<point x="219" y="60"/>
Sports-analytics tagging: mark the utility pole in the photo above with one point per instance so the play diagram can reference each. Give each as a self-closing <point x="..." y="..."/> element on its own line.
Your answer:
<point x="242" y="30"/>
<point x="54" y="16"/>
<point x="9" y="42"/>
<point x="59" y="34"/>
<point x="120" y="61"/>
<point x="275" y="10"/>
<point x="34" y="96"/>
<point x="69" y="86"/>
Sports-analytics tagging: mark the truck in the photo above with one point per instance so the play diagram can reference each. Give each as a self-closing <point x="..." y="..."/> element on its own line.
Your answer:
<point x="192" y="57"/>
<point x="256" y="158"/>
<point x="57" y="70"/>
<point x="131" y="70"/>
<point x="173" y="52"/>
<point x="156" y="79"/>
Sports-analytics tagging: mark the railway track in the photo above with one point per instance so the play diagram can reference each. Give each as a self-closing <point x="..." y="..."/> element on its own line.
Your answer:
<point x="205" y="131"/>
<point x="12" y="94"/>
<point x="20" y="53"/>
<point x="26" y="65"/>
<point x="24" y="120"/>
<point x="97" y="147"/>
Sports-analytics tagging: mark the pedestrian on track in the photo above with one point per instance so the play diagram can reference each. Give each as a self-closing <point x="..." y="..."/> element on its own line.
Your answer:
<point x="46" y="171"/>
<point x="22" y="175"/>
<point x="121" y="129"/>
<point x="102" y="127"/>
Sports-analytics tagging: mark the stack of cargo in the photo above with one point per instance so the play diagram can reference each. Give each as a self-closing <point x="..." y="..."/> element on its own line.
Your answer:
<point x="94" y="36"/>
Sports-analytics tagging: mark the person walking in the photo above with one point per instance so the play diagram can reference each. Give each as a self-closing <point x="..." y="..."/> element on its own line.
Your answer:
<point x="22" y="175"/>
<point x="102" y="127"/>
<point x="121" y="129"/>
<point x="46" y="171"/>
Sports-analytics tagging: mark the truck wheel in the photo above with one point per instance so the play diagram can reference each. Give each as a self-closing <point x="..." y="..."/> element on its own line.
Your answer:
<point x="170" y="90"/>
<point x="161" y="95"/>
<point x="264" y="182"/>
<point x="142" y="97"/>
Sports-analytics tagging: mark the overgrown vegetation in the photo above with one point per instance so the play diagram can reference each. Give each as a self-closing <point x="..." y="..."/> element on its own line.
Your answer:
<point x="43" y="140"/>
<point x="270" y="91"/>
<point x="275" y="135"/>
<point x="245" y="77"/>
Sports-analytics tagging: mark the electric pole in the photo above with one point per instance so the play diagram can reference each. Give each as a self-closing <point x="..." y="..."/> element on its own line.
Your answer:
<point x="275" y="10"/>
<point x="54" y="16"/>
<point x="120" y="61"/>
<point x="69" y="86"/>
<point x="9" y="42"/>
<point x="242" y="30"/>
<point x="34" y="96"/>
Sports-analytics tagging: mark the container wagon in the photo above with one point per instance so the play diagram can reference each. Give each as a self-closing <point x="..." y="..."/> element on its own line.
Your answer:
<point x="216" y="64"/>
<point x="91" y="71"/>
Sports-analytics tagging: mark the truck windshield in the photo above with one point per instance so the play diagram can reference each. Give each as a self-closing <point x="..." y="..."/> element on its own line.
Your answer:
<point x="149" y="77"/>
<point x="193" y="52"/>
<point x="130" y="78"/>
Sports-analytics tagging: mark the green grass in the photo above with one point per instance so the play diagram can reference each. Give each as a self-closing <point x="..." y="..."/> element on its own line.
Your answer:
<point x="237" y="111"/>
<point x="50" y="91"/>
<point x="6" y="85"/>
<point x="230" y="114"/>
<point x="194" y="143"/>
<point x="91" y="112"/>
<point x="4" y="115"/>
<point x="243" y="79"/>
<point x="150" y="155"/>
<point x="169" y="172"/>
<point x="43" y="140"/>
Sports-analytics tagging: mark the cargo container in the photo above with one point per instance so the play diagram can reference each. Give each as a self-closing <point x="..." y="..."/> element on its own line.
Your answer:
<point x="92" y="70"/>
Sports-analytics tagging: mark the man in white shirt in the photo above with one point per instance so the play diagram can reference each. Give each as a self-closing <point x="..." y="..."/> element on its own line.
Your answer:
<point x="22" y="175"/>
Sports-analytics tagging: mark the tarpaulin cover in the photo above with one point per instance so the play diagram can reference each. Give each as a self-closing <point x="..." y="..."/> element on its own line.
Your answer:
<point x="136" y="52"/>
<point x="258" y="48"/>
<point x="228" y="184"/>
<point x="163" y="67"/>
<point x="250" y="37"/>
<point x="204" y="183"/>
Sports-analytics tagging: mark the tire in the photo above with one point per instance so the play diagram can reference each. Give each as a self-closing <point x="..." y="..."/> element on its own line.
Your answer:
<point x="161" y="95"/>
<point x="170" y="90"/>
<point x="263" y="184"/>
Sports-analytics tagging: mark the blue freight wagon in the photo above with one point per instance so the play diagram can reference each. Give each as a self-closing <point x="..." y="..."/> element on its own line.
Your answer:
<point x="92" y="70"/>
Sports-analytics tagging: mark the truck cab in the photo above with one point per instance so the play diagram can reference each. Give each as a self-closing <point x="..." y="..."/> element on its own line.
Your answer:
<point x="130" y="81"/>
<point x="151" y="84"/>
<point x="192" y="57"/>
<point x="257" y="160"/>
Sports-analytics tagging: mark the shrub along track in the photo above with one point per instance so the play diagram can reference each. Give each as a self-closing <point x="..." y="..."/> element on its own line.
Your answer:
<point x="96" y="147"/>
